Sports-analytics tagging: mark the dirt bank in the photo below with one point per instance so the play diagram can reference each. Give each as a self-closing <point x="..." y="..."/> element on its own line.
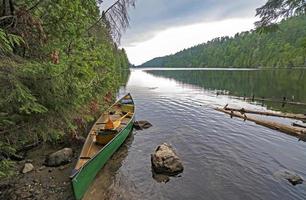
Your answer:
<point x="48" y="183"/>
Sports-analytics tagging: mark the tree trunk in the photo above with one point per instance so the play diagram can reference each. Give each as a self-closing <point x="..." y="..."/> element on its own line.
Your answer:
<point x="7" y="7"/>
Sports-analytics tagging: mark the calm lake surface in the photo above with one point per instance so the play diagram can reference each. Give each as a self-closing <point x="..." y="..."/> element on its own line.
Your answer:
<point x="224" y="158"/>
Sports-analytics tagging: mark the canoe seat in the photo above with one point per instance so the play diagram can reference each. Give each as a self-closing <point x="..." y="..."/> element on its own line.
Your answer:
<point x="126" y="108"/>
<point x="104" y="136"/>
<point x="100" y="123"/>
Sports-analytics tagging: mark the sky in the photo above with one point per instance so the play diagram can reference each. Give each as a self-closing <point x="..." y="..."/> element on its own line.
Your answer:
<point x="163" y="27"/>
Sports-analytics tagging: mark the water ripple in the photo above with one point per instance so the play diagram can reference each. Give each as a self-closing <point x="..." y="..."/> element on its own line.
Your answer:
<point x="224" y="158"/>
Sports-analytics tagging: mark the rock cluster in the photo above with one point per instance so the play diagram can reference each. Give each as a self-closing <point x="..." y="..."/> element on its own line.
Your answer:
<point x="165" y="160"/>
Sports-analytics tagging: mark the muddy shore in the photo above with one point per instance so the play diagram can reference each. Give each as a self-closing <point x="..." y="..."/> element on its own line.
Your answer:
<point x="43" y="182"/>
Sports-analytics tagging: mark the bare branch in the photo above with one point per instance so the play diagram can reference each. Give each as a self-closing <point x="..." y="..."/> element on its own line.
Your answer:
<point x="117" y="17"/>
<point x="274" y="10"/>
<point x="6" y="17"/>
<point x="35" y="5"/>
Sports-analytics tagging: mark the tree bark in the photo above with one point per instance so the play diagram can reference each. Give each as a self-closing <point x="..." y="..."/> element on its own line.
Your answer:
<point x="7" y="7"/>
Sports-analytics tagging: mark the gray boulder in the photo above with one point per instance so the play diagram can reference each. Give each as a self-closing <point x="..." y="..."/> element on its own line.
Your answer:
<point x="60" y="157"/>
<point x="165" y="160"/>
<point x="140" y="125"/>
<point x="27" y="168"/>
<point x="292" y="177"/>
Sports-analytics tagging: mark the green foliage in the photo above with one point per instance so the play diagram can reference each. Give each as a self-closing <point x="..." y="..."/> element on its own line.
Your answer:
<point x="54" y="136"/>
<point x="282" y="48"/>
<point x="6" y="149"/>
<point x="8" y="41"/>
<point x="6" y="168"/>
<point x="40" y="97"/>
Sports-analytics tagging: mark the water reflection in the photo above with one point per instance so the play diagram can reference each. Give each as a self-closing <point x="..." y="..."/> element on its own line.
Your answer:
<point x="223" y="158"/>
<point x="105" y="185"/>
<point x="274" y="84"/>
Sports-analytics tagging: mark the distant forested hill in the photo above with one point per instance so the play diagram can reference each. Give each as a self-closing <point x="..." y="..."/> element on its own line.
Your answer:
<point x="283" y="48"/>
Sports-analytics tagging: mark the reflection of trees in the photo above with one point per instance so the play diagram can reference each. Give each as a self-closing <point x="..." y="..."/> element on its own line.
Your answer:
<point x="274" y="84"/>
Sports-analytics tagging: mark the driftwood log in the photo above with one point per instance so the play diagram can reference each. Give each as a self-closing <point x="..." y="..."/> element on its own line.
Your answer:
<point x="298" y="125"/>
<point x="284" y="115"/>
<point x="291" y="130"/>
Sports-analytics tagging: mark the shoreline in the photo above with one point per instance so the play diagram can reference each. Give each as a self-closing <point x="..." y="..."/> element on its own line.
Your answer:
<point x="42" y="182"/>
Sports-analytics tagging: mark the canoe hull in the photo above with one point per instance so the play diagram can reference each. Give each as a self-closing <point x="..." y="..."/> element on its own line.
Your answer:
<point x="82" y="180"/>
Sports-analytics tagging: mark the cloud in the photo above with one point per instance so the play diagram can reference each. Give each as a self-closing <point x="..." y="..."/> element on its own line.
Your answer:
<point x="171" y="40"/>
<point x="152" y="16"/>
<point x="162" y="27"/>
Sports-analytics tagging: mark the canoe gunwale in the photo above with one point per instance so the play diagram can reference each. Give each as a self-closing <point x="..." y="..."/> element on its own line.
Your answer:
<point x="73" y="176"/>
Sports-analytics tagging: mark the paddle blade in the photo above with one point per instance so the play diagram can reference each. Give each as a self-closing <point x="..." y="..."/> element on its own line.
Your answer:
<point x="109" y="124"/>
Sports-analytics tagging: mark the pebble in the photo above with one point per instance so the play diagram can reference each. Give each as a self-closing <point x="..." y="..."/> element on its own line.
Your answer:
<point x="27" y="168"/>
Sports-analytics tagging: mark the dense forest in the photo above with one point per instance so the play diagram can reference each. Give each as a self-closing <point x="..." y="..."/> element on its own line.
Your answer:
<point x="283" y="47"/>
<point x="59" y="67"/>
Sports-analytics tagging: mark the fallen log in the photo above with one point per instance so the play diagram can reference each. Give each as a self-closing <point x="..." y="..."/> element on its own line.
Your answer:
<point x="290" y="130"/>
<point x="28" y="147"/>
<point x="298" y="125"/>
<point x="284" y="115"/>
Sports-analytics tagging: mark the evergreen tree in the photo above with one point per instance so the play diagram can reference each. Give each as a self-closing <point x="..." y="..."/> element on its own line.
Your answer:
<point x="58" y="58"/>
<point x="284" y="47"/>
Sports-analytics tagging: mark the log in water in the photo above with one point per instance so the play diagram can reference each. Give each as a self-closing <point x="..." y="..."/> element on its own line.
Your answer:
<point x="268" y="113"/>
<point x="291" y="130"/>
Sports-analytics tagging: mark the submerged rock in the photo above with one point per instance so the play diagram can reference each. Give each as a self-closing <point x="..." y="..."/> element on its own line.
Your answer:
<point x="140" y="125"/>
<point x="160" y="178"/>
<point x="27" y="168"/>
<point x="165" y="160"/>
<point x="302" y="138"/>
<point x="60" y="157"/>
<point x="292" y="177"/>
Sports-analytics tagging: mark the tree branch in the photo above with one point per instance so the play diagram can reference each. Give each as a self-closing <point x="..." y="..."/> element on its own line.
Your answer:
<point x="35" y="5"/>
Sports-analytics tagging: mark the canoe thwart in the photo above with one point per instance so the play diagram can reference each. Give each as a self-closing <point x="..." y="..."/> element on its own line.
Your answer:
<point x="85" y="157"/>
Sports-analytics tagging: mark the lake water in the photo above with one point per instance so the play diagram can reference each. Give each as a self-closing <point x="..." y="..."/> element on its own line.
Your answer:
<point x="224" y="158"/>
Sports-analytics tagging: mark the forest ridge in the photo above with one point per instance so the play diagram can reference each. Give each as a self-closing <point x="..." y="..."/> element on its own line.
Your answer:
<point x="285" y="47"/>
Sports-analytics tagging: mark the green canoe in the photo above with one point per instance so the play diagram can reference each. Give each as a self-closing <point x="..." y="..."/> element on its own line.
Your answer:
<point x="105" y="137"/>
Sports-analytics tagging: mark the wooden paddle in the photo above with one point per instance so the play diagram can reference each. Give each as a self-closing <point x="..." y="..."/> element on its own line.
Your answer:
<point x="113" y="125"/>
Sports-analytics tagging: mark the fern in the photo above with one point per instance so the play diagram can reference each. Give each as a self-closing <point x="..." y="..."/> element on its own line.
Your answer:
<point x="8" y="41"/>
<point x="6" y="168"/>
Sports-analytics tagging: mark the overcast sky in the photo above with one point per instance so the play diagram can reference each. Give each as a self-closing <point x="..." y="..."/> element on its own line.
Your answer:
<point x="162" y="27"/>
